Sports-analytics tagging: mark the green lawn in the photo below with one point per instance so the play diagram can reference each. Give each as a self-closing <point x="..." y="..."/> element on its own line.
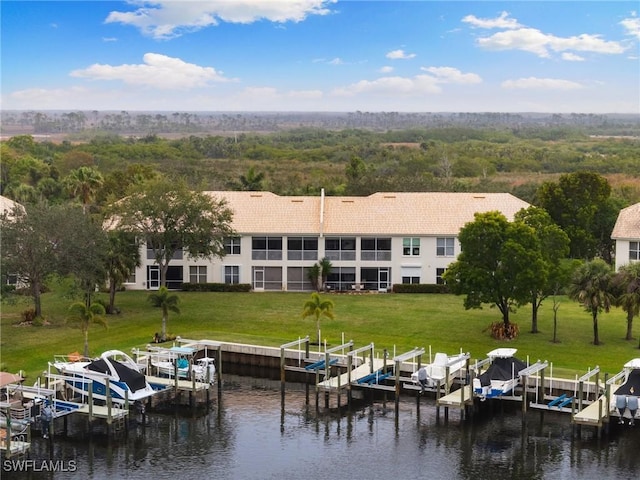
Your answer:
<point x="397" y="322"/>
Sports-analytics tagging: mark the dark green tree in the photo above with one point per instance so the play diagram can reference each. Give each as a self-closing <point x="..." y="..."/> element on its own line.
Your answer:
<point x="626" y="286"/>
<point x="41" y="240"/>
<point x="553" y="245"/>
<point x="252" y="180"/>
<point x="170" y="216"/>
<point x="591" y="287"/>
<point x="499" y="263"/>
<point x="122" y="257"/>
<point x="580" y="204"/>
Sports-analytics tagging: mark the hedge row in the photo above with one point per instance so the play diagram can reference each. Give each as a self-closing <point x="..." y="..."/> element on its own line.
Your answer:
<point x="216" y="287"/>
<point x="419" y="288"/>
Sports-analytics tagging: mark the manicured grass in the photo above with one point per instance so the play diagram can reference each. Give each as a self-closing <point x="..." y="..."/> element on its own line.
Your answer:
<point x="396" y="322"/>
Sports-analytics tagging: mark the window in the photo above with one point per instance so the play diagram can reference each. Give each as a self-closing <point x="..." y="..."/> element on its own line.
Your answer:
<point x="439" y="273"/>
<point x="341" y="278"/>
<point x="375" y="248"/>
<point x="444" y="247"/>
<point x="231" y="274"/>
<point x="298" y="279"/>
<point x="410" y="279"/>
<point x="198" y="274"/>
<point x="266" y="248"/>
<point x="375" y="278"/>
<point x="267" y="278"/>
<point x="302" y="248"/>
<point x="151" y="254"/>
<point x="232" y="245"/>
<point x="411" y="247"/>
<point x="340" y="248"/>
<point x="634" y="250"/>
<point x="131" y="278"/>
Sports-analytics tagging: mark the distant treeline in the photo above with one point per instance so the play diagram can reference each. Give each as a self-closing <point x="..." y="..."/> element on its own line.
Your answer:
<point x="147" y="123"/>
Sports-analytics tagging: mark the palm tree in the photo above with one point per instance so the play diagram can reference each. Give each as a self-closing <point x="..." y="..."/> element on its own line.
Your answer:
<point x="167" y="302"/>
<point x="627" y="285"/>
<point x="313" y="274"/>
<point x="317" y="307"/>
<point x="123" y="257"/>
<point x="591" y="286"/>
<point x="325" y="269"/>
<point x="83" y="183"/>
<point x="82" y="315"/>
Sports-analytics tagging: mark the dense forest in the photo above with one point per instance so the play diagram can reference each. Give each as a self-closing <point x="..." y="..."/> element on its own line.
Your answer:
<point x="294" y="154"/>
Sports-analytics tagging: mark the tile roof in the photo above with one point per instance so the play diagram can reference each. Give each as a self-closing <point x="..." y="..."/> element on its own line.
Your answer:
<point x="389" y="213"/>
<point x="628" y="223"/>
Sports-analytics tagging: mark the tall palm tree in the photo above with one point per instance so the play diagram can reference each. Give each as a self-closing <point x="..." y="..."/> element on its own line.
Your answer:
<point x="82" y="316"/>
<point x="83" y="183"/>
<point x="591" y="286"/>
<point x="316" y="307"/>
<point x="627" y="284"/>
<point x="123" y="257"/>
<point x="167" y="302"/>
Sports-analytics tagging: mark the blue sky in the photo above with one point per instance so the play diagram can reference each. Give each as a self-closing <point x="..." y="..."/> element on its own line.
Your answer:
<point x="315" y="55"/>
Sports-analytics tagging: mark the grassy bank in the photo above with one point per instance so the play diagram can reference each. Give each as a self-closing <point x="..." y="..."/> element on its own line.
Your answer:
<point x="393" y="321"/>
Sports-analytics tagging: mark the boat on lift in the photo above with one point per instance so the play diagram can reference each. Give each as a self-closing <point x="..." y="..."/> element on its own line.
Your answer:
<point x="126" y="379"/>
<point x="434" y="374"/>
<point x="501" y="378"/>
<point x="627" y="396"/>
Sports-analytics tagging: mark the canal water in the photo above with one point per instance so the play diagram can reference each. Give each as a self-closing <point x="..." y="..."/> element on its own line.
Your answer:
<point x="249" y="433"/>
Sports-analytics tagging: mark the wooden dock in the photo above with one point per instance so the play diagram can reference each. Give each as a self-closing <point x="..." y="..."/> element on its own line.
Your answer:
<point x="459" y="398"/>
<point x="181" y="384"/>
<point x="341" y="381"/>
<point x="595" y="414"/>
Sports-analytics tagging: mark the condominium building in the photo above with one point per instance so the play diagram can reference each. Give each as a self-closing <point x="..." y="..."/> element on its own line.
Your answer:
<point x="371" y="241"/>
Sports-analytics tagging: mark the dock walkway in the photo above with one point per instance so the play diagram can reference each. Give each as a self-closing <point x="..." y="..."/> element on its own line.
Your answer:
<point x="595" y="413"/>
<point x="364" y="370"/>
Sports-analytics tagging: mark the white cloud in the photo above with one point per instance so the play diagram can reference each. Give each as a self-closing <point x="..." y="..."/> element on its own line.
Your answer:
<point x="632" y="25"/>
<point x="109" y="39"/>
<point x="572" y="57"/>
<point x="452" y="75"/>
<point x="157" y="71"/>
<point x="400" y="55"/>
<point x="534" y="41"/>
<point x="533" y="83"/>
<point x="165" y="19"/>
<point x="386" y="69"/>
<point x="336" y="61"/>
<point x="419" y="84"/>
<point x="503" y="21"/>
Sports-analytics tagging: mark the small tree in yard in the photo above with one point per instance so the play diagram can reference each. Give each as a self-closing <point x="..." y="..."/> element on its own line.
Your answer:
<point x="83" y="316"/>
<point x="499" y="265"/>
<point x="170" y="217"/>
<point x="626" y="284"/>
<point x="316" y="307"/>
<point x="591" y="286"/>
<point x="167" y="301"/>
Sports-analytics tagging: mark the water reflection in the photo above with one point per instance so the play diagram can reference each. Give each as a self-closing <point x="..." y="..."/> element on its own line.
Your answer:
<point x="250" y="434"/>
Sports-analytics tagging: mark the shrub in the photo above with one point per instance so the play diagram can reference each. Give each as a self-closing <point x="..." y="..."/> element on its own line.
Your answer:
<point x="29" y="315"/>
<point x="216" y="287"/>
<point x="419" y="288"/>
<point x="500" y="332"/>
